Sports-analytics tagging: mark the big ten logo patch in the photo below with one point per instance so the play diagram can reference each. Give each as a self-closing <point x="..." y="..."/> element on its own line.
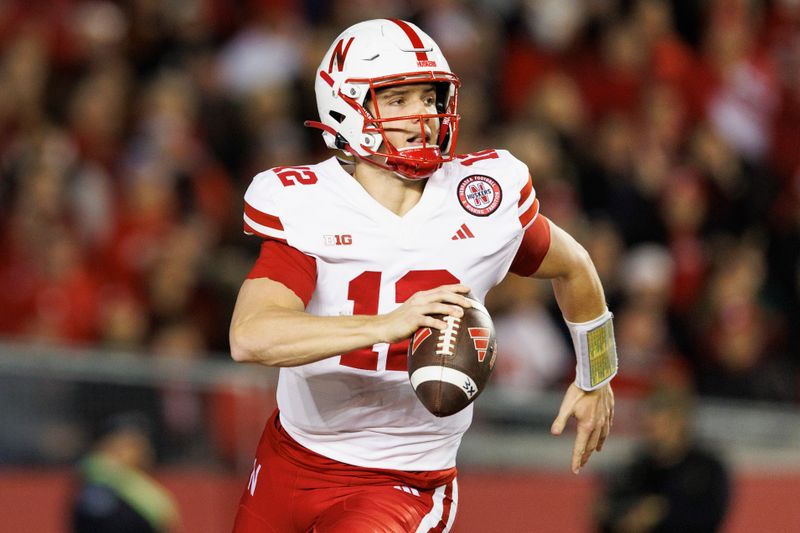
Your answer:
<point x="338" y="240"/>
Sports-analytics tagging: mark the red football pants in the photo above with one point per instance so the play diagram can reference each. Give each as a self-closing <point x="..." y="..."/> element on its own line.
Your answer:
<point x="292" y="489"/>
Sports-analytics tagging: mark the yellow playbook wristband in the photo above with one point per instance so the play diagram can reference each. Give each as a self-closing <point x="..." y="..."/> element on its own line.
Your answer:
<point x="596" y="351"/>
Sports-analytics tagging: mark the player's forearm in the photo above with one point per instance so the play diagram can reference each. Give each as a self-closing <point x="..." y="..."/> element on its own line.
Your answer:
<point x="575" y="281"/>
<point x="284" y="337"/>
<point x="580" y="296"/>
<point x="578" y="290"/>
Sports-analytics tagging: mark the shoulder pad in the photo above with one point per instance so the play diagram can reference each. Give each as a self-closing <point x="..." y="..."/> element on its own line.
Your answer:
<point x="268" y="192"/>
<point x="512" y="173"/>
<point x="261" y="201"/>
<point x="492" y="159"/>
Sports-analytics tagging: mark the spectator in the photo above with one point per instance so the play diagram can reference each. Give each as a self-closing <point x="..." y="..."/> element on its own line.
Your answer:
<point x="742" y="104"/>
<point x="742" y="337"/>
<point x="673" y="483"/>
<point x="535" y="355"/>
<point x="183" y="409"/>
<point x="116" y="493"/>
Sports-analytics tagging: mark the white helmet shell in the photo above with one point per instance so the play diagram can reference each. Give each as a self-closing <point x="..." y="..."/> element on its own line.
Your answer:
<point x="366" y="56"/>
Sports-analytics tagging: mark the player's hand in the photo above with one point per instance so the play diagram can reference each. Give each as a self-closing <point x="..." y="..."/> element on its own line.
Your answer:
<point x="416" y="312"/>
<point x="594" y="412"/>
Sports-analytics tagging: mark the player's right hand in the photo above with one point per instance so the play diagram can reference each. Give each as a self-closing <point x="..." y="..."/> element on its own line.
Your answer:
<point x="416" y="312"/>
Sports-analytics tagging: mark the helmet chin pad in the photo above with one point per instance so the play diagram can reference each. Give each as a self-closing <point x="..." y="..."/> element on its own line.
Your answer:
<point x="415" y="162"/>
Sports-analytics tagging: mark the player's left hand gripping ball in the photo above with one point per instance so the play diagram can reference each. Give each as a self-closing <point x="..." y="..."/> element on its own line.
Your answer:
<point x="449" y="368"/>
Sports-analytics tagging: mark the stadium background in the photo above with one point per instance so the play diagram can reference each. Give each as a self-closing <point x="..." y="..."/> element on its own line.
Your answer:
<point x="664" y="135"/>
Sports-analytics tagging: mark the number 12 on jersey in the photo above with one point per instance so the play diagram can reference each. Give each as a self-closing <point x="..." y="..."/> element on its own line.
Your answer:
<point x="364" y="292"/>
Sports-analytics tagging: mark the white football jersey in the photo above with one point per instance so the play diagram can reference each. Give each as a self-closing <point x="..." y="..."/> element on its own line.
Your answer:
<point x="359" y="408"/>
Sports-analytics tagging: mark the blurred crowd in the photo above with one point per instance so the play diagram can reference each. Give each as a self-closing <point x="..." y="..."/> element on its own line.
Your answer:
<point x="664" y="135"/>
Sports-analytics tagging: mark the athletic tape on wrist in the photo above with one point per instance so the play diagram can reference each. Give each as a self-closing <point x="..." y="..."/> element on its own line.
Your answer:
<point x="595" y="350"/>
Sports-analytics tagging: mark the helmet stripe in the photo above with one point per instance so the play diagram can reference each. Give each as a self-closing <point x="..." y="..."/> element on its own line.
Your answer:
<point x="415" y="39"/>
<point x="327" y="77"/>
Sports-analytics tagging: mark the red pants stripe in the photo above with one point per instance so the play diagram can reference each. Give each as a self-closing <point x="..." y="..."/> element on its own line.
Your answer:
<point x="292" y="489"/>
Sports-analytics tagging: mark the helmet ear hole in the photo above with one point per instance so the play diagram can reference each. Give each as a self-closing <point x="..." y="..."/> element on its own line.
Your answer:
<point x="338" y="117"/>
<point x="340" y="142"/>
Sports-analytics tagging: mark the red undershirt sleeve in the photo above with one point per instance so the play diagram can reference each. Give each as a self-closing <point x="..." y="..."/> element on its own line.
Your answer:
<point x="287" y="265"/>
<point x="535" y="244"/>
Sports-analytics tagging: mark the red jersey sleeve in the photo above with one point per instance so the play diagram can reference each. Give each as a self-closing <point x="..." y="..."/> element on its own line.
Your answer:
<point x="535" y="244"/>
<point x="287" y="265"/>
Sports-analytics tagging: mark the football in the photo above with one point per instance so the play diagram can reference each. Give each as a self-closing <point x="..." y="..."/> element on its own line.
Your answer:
<point x="449" y="368"/>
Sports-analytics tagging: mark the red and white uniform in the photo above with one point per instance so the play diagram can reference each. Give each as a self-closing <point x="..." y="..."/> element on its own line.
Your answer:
<point x="343" y="253"/>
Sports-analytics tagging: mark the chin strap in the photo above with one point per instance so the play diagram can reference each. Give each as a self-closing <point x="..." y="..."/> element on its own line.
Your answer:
<point x="321" y="126"/>
<point x="420" y="167"/>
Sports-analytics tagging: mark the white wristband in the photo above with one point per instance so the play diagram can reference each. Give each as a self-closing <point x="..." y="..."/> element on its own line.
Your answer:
<point x="596" y="351"/>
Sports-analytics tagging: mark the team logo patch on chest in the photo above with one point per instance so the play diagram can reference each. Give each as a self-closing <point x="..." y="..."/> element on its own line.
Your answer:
<point x="479" y="195"/>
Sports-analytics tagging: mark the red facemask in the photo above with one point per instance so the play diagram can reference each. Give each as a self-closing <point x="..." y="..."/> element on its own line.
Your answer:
<point x="415" y="162"/>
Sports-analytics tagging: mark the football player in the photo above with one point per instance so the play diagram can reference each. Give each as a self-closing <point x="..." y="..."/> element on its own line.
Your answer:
<point x="358" y="252"/>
